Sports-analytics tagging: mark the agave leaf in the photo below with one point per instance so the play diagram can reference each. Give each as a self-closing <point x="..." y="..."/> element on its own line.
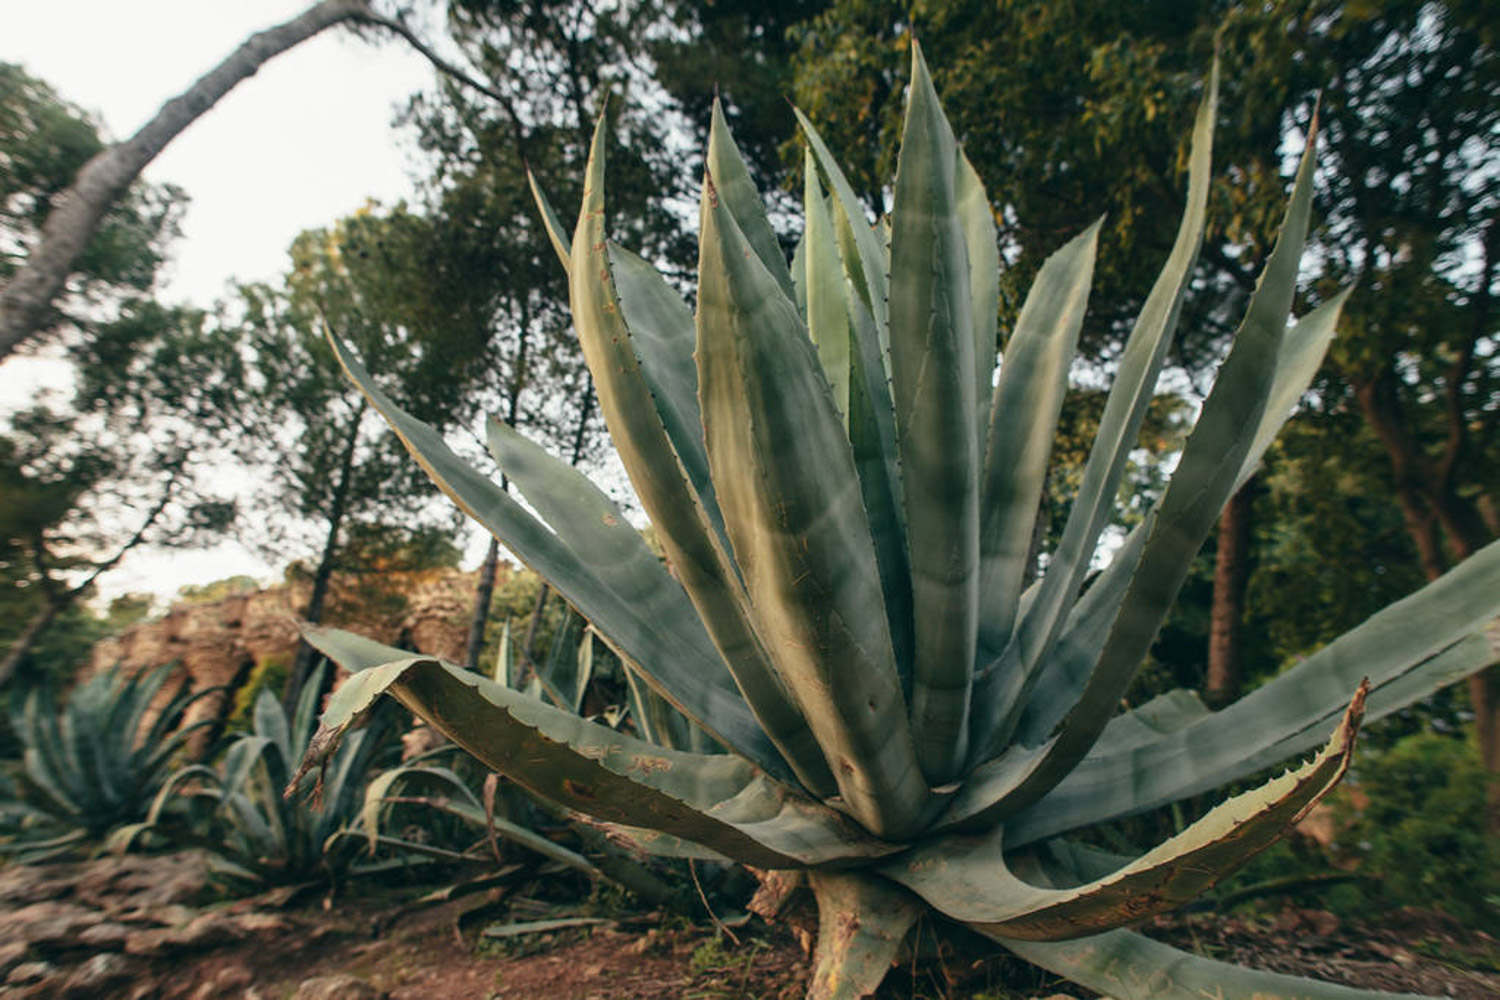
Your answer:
<point x="982" y="240"/>
<point x="967" y="878"/>
<point x="504" y="671"/>
<point x="934" y="388"/>
<point x="717" y="800"/>
<point x="853" y="357"/>
<point x="1206" y="477"/>
<point x="1130" y="966"/>
<point x="872" y="421"/>
<point x="826" y="307"/>
<point x="872" y="438"/>
<point x="1061" y="678"/>
<point x="860" y="247"/>
<point x="1439" y="634"/>
<point x="662" y="332"/>
<point x="787" y="484"/>
<point x="270" y="722"/>
<point x="738" y="193"/>
<point x="593" y="527"/>
<point x="1001" y="692"/>
<point x="862" y="922"/>
<point x="557" y="233"/>
<point x="1023" y="422"/>
<point x="693" y="547"/>
<point x="379" y="790"/>
<point x="681" y="667"/>
<point x="559" y="671"/>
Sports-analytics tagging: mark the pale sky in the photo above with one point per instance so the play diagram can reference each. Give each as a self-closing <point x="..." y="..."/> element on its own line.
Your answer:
<point x="304" y="141"/>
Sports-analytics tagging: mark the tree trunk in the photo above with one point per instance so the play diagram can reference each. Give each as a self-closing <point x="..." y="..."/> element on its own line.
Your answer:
<point x="484" y="596"/>
<point x="1427" y="500"/>
<point x="1231" y="573"/>
<point x="313" y="613"/>
<point x="28" y="637"/>
<point x="26" y="300"/>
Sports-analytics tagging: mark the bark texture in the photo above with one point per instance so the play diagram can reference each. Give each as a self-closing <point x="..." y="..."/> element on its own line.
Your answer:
<point x="1231" y="573"/>
<point x="26" y="300"/>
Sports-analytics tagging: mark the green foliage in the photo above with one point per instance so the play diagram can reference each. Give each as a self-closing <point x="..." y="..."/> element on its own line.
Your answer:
<point x="1421" y="839"/>
<point x="94" y="763"/>
<point x="268" y="674"/>
<point x="248" y="811"/>
<point x="846" y="494"/>
<point x="44" y="141"/>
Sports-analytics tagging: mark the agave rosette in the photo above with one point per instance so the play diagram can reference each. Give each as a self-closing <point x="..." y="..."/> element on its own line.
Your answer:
<point x="846" y="495"/>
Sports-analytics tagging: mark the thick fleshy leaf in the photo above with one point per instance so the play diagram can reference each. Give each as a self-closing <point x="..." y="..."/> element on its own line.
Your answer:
<point x="462" y="804"/>
<point x="667" y="649"/>
<point x="1206" y="476"/>
<point x="1062" y="676"/>
<point x="662" y="333"/>
<point x="934" y="387"/>
<point x="1001" y="692"/>
<point x="1130" y="966"/>
<point x="827" y="301"/>
<point x="739" y="196"/>
<point x="717" y="800"/>
<point x="596" y="530"/>
<point x="687" y="530"/>
<point x="1438" y="635"/>
<point x="557" y="233"/>
<point x="861" y="248"/>
<point x="983" y="243"/>
<point x="786" y="482"/>
<point x="862" y="922"/>
<point x="967" y="877"/>
<point x="1023" y="422"/>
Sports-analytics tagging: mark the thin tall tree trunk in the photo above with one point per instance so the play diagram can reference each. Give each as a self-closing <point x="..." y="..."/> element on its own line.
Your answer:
<point x="26" y="300"/>
<point x="28" y="637"/>
<point x="484" y="596"/>
<point x="1231" y="573"/>
<point x="484" y="592"/>
<point x="322" y="576"/>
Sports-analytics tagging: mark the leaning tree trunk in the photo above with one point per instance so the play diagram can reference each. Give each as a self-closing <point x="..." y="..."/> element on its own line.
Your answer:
<point x="1231" y="573"/>
<point x="26" y="300"/>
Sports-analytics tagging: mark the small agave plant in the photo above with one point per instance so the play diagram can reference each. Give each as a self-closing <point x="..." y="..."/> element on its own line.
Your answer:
<point x="846" y="494"/>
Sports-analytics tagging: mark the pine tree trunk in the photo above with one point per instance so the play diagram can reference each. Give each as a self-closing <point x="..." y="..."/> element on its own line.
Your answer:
<point x="28" y="637"/>
<point x="484" y="596"/>
<point x="323" y="575"/>
<point x="27" y="298"/>
<point x="1231" y="573"/>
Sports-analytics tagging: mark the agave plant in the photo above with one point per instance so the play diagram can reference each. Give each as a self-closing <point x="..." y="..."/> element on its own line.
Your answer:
<point x="846" y="493"/>
<point x="93" y="765"/>
<point x="258" y="835"/>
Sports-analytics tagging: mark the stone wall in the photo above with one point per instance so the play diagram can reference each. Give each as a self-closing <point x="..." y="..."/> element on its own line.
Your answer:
<point x="219" y="643"/>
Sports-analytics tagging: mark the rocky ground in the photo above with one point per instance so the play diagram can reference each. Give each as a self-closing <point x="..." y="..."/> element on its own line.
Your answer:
<point x="143" y="928"/>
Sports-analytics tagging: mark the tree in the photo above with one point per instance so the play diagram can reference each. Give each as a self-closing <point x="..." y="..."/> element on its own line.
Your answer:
<point x="74" y="215"/>
<point x="325" y="461"/>
<point x="126" y="463"/>
<point x="44" y="140"/>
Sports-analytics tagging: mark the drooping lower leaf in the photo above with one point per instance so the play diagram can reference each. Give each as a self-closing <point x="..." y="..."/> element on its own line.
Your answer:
<point x="967" y="878"/>
<point x="717" y="800"/>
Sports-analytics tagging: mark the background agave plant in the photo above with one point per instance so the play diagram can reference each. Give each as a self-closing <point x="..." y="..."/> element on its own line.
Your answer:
<point x="846" y="494"/>
<point x="93" y="765"/>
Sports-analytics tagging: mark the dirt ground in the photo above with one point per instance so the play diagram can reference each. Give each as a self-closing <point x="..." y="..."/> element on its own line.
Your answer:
<point x="509" y="942"/>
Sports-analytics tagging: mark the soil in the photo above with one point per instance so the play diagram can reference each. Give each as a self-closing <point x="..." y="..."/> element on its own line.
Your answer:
<point x="508" y="943"/>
